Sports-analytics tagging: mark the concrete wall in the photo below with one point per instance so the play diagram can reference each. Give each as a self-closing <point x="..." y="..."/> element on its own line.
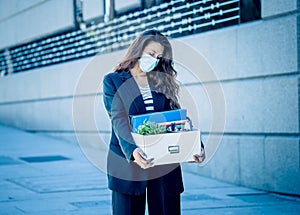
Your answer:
<point x="123" y="5"/>
<point x="258" y="69"/>
<point x="23" y="21"/>
<point x="93" y="9"/>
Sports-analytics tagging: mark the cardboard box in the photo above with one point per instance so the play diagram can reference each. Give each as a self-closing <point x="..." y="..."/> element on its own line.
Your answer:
<point x="170" y="147"/>
<point x="158" y="117"/>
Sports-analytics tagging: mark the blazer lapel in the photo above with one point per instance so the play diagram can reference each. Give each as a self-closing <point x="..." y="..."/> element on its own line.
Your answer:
<point x="132" y="98"/>
<point x="131" y="94"/>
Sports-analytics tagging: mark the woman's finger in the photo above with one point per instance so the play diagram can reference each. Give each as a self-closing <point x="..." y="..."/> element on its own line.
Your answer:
<point x="141" y="159"/>
<point x="199" y="158"/>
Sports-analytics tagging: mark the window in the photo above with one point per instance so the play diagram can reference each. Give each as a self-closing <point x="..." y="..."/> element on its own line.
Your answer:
<point x="250" y="10"/>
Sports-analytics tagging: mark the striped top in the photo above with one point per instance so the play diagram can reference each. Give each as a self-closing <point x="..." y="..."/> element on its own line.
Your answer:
<point x="147" y="97"/>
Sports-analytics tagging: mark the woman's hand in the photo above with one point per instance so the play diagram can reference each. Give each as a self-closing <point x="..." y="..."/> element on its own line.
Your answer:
<point x="141" y="159"/>
<point x="201" y="157"/>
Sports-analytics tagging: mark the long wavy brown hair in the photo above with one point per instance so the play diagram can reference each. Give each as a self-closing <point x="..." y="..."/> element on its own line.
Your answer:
<point x="164" y="75"/>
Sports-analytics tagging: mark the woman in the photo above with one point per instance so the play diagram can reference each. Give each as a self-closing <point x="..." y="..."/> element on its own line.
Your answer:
<point x="143" y="82"/>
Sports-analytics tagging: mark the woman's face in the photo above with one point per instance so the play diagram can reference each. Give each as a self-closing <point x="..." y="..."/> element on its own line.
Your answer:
<point x="154" y="49"/>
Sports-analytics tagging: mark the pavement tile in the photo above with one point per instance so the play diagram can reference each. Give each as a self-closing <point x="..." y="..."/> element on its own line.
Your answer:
<point x="40" y="205"/>
<point x="61" y="183"/>
<point x="75" y="186"/>
<point x="249" y="210"/>
<point x="10" y="209"/>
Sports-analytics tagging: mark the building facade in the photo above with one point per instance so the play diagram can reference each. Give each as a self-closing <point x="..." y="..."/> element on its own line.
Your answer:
<point x="54" y="55"/>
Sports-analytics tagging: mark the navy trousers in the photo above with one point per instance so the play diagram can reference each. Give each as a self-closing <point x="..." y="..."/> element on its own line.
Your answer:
<point x="159" y="201"/>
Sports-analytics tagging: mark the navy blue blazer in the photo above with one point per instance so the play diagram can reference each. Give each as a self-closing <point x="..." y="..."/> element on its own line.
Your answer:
<point x="122" y="98"/>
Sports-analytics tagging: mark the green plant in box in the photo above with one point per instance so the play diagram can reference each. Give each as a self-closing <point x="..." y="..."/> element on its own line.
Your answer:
<point x="151" y="128"/>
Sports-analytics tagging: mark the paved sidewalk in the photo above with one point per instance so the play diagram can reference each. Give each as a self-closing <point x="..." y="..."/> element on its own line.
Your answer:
<point x="43" y="175"/>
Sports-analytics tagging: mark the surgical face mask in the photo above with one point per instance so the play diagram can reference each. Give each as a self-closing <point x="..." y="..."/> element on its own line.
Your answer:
<point x="148" y="63"/>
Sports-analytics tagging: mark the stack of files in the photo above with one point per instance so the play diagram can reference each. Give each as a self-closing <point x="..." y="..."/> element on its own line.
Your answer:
<point x="158" y="117"/>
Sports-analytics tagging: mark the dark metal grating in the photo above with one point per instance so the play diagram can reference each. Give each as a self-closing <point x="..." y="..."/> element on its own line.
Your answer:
<point x="256" y="197"/>
<point x="174" y="19"/>
<point x="89" y="204"/>
<point x="41" y="159"/>
<point x="198" y="197"/>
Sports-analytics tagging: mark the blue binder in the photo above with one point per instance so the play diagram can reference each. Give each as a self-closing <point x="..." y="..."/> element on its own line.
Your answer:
<point x="158" y="117"/>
